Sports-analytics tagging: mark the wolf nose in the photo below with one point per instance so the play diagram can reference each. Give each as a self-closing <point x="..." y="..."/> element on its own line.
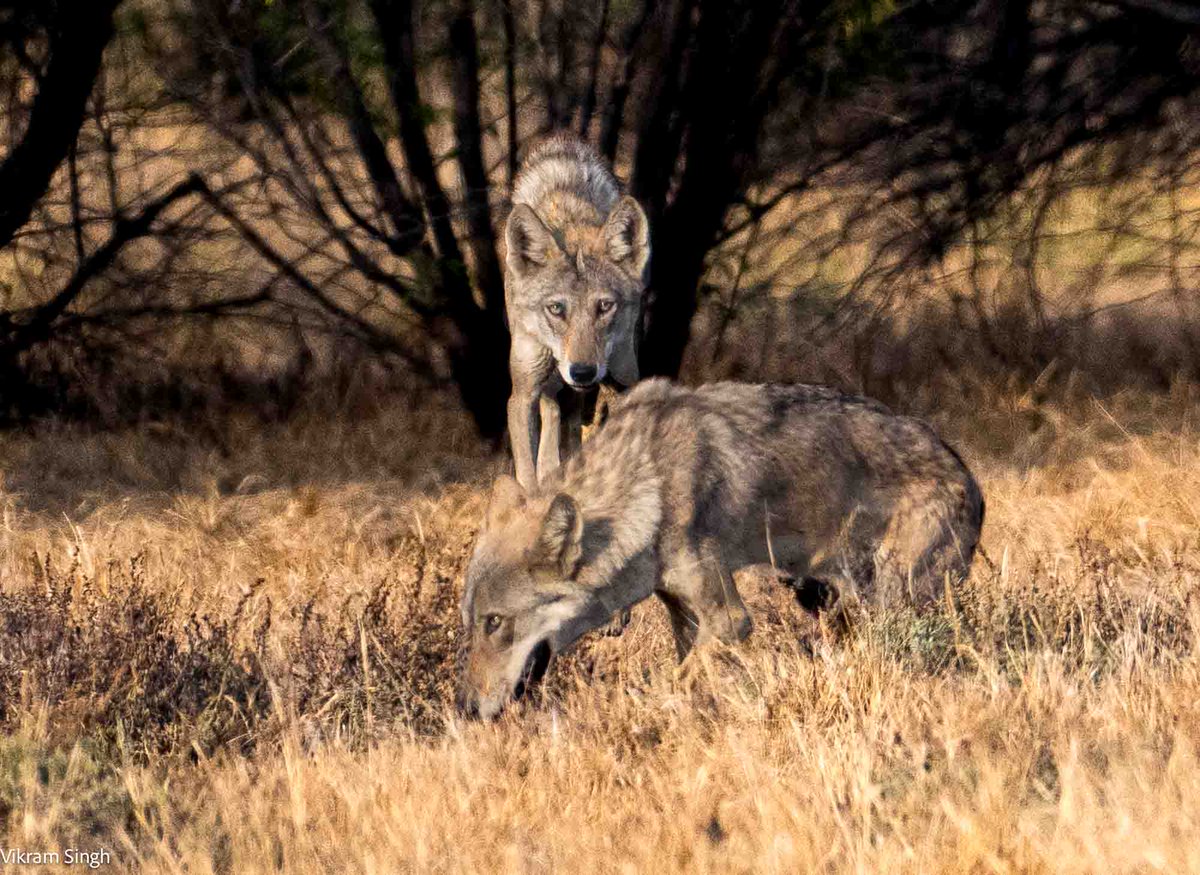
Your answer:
<point x="584" y="375"/>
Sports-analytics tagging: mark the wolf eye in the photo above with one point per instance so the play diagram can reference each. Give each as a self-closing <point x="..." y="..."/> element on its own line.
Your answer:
<point x="605" y="305"/>
<point x="556" y="309"/>
<point x="491" y="623"/>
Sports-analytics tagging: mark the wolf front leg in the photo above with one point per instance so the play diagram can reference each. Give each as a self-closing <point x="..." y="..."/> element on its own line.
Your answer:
<point x="523" y="431"/>
<point x="548" y="446"/>
<point x="699" y="593"/>
<point x="532" y="368"/>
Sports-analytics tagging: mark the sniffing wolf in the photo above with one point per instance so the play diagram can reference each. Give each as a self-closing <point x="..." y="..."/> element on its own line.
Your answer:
<point x="680" y="488"/>
<point x="573" y="286"/>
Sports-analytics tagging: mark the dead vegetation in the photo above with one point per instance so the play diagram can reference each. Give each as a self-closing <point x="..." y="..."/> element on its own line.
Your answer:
<point x="244" y="661"/>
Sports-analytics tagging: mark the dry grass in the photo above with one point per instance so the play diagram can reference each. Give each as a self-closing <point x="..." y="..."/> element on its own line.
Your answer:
<point x="232" y="650"/>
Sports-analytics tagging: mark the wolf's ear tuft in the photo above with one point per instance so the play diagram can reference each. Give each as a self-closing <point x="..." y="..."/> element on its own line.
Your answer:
<point x="627" y="236"/>
<point x="530" y="243"/>
<point x="559" y="544"/>
<point x="506" y="494"/>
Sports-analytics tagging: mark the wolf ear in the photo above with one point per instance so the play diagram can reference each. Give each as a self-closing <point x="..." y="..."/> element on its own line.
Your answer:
<point x="559" y="544"/>
<point x="627" y="236"/>
<point x="506" y="494"/>
<point x="530" y="243"/>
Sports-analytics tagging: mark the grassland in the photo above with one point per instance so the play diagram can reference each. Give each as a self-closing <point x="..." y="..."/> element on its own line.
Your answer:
<point x="228" y="645"/>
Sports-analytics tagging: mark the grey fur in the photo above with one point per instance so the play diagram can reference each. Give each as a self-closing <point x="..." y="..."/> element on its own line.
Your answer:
<point x="682" y="487"/>
<point x="574" y="244"/>
<point x="564" y="164"/>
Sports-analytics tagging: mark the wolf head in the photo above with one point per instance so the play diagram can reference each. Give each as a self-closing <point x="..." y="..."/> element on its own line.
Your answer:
<point x="578" y="290"/>
<point x="522" y="603"/>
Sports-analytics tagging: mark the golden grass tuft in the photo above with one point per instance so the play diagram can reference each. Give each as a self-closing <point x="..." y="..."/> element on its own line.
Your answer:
<point x="238" y="657"/>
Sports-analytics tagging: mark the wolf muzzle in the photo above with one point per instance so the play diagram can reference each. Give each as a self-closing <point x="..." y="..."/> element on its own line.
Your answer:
<point x="467" y="701"/>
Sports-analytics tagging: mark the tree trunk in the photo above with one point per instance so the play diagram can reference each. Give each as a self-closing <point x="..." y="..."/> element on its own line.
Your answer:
<point x="657" y="150"/>
<point x="725" y="101"/>
<point x="35" y="326"/>
<point x="469" y="133"/>
<point x="408" y="224"/>
<point x="77" y="37"/>
<point x="510" y="89"/>
<point x="614" y="111"/>
<point x="589" y="97"/>
<point x="478" y="344"/>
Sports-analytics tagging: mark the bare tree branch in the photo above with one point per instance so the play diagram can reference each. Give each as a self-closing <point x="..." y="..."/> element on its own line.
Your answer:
<point x="27" y="329"/>
<point x="78" y="31"/>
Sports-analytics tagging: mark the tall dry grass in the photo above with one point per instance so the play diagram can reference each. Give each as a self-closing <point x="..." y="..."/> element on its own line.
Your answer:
<point x="231" y="649"/>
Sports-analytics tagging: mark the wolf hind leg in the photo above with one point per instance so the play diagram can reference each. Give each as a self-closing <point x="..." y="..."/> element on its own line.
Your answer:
<point x="835" y="589"/>
<point x="927" y="546"/>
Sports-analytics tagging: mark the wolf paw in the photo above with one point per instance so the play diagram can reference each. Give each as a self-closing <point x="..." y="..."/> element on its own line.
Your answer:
<point x="783" y="578"/>
<point x="814" y="595"/>
<point x="614" y="627"/>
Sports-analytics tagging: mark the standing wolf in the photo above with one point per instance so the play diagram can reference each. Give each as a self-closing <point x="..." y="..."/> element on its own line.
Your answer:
<point x="683" y="486"/>
<point x="573" y="286"/>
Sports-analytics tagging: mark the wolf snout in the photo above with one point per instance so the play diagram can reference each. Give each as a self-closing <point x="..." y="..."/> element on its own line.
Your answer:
<point x="582" y="375"/>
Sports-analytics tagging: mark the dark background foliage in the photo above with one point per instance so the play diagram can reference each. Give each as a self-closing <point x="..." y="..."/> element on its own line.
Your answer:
<point x="338" y="168"/>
